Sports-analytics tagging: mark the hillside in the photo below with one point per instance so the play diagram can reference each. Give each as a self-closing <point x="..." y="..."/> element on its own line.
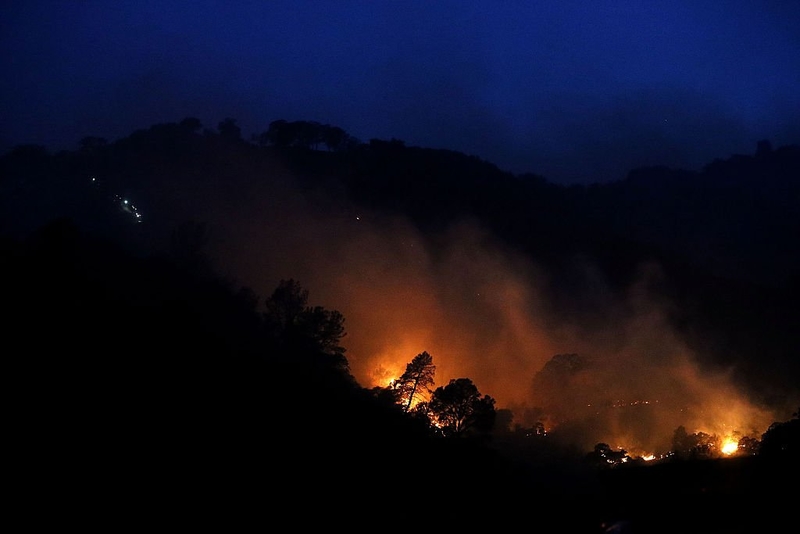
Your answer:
<point x="146" y="372"/>
<point x="724" y="239"/>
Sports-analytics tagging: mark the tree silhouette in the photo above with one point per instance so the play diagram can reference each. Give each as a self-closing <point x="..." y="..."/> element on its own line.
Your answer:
<point x="229" y="130"/>
<point x="92" y="143"/>
<point x="308" y="134"/>
<point x="763" y="148"/>
<point x="416" y="381"/>
<point x="696" y="445"/>
<point x="459" y="409"/>
<point x="748" y="446"/>
<point x="280" y="133"/>
<point x="681" y="443"/>
<point x="323" y="328"/>
<point x="334" y="137"/>
<point x="191" y="124"/>
<point x="782" y="439"/>
<point x="296" y="326"/>
<point x="604" y="456"/>
<point x="305" y="134"/>
<point x="287" y="301"/>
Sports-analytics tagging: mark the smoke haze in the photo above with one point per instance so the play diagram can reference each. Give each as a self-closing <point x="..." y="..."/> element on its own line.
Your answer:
<point x="482" y="310"/>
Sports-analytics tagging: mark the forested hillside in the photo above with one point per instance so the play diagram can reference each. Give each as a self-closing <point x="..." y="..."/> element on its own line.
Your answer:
<point x="152" y="360"/>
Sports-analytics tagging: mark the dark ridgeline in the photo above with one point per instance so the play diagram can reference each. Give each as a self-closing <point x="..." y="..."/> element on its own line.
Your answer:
<point x="142" y="382"/>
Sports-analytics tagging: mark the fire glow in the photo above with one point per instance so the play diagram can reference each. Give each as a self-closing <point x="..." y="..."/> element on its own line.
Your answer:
<point x="729" y="446"/>
<point x="487" y="313"/>
<point x="635" y="385"/>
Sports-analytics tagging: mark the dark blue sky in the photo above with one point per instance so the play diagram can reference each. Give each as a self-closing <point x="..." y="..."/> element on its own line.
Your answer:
<point x="576" y="91"/>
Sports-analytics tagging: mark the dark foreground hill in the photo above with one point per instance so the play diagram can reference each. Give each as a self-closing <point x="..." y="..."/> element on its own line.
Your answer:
<point x="141" y="393"/>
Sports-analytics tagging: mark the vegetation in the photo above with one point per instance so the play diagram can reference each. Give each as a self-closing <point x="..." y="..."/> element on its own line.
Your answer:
<point x="137" y="369"/>
<point x="416" y="381"/>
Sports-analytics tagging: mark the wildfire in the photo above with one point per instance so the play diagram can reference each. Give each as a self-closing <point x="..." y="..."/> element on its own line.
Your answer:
<point x="385" y="375"/>
<point x="647" y="428"/>
<point x="729" y="446"/>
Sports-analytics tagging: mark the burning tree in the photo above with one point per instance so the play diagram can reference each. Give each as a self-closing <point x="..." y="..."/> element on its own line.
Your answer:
<point x="699" y="445"/>
<point x="416" y="382"/>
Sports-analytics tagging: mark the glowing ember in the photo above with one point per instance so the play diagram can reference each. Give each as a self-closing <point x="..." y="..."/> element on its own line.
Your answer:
<point x="729" y="446"/>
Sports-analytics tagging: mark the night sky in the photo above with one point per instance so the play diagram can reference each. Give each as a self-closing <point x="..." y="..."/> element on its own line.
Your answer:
<point x="577" y="92"/>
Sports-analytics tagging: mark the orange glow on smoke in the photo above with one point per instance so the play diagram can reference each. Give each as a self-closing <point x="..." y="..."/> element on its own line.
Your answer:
<point x="487" y="313"/>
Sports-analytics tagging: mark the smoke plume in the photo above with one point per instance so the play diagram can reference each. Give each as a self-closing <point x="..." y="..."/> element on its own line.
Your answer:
<point x="619" y="375"/>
